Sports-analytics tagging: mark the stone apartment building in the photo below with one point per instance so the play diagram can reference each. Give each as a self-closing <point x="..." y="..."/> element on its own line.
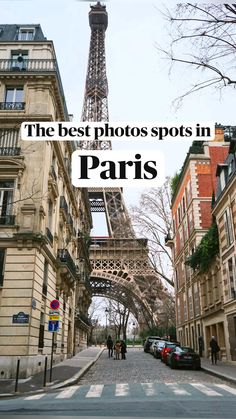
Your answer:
<point x="191" y="214"/>
<point x="44" y="221"/>
<point x="225" y="213"/>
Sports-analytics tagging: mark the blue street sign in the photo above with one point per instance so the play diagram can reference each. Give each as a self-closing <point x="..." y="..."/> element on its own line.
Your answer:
<point x="53" y="326"/>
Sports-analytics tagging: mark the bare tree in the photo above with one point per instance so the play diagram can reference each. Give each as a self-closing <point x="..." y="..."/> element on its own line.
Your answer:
<point x="204" y="37"/>
<point x="119" y="317"/>
<point x="152" y="220"/>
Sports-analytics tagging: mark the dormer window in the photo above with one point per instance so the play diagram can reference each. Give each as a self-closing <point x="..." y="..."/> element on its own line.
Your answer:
<point x="26" y="34"/>
<point x="230" y="169"/>
<point x="222" y="179"/>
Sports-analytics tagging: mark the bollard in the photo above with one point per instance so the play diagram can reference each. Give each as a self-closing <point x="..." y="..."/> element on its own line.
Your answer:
<point x="17" y="374"/>
<point x="45" y="372"/>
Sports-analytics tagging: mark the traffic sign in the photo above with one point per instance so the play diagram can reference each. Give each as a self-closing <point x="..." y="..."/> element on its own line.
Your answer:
<point x="53" y="326"/>
<point x="54" y="318"/>
<point x="55" y="304"/>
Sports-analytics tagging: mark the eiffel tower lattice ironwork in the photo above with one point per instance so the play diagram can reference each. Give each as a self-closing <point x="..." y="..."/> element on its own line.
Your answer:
<point x="120" y="266"/>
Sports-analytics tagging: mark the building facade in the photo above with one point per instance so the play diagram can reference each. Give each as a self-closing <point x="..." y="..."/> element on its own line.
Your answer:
<point x="225" y="214"/>
<point x="44" y="221"/>
<point x="191" y="215"/>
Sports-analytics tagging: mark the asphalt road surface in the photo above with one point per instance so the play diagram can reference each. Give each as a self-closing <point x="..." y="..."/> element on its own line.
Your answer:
<point x="138" y="387"/>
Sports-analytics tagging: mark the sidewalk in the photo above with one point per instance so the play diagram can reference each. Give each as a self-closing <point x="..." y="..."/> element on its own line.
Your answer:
<point x="222" y="370"/>
<point x="63" y="374"/>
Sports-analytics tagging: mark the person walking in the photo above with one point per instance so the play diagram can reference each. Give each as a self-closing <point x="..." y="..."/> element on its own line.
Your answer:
<point x="123" y="349"/>
<point x="110" y="346"/>
<point x="214" y="350"/>
<point x="117" y="348"/>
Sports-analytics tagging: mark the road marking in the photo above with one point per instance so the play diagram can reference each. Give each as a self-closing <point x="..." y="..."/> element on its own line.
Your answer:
<point x="95" y="390"/>
<point x="122" y="390"/>
<point x="149" y="389"/>
<point x="178" y="390"/>
<point x="68" y="393"/>
<point x="226" y="388"/>
<point x="206" y="390"/>
<point x="35" y="397"/>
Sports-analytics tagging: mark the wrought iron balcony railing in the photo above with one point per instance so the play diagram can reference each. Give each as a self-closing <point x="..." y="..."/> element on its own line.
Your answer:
<point x="65" y="257"/>
<point x="12" y="106"/>
<point x="9" y="151"/>
<point x="7" y="220"/>
<point x="28" y="65"/>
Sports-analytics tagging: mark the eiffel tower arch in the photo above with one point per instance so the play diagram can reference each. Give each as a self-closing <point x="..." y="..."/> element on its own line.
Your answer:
<point x="120" y="265"/>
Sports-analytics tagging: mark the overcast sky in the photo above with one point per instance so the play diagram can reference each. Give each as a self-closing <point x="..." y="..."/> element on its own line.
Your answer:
<point x="140" y="86"/>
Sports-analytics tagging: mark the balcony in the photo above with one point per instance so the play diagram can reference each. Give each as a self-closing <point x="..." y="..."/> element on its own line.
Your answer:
<point x="10" y="151"/>
<point x="65" y="258"/>
<point x="7" y="220"/>
<point x="36" y="66"/>
<point x="12" y="106"/>
<point x="28" y="65"/>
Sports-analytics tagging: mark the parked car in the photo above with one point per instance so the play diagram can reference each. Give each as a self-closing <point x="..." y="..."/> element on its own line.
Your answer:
<point x="149" y="341"/>
<point x="183" y="356"/>
<point x="168" y="347"/>
<point x="158" y="347"/>
<point x="153" y="346"/>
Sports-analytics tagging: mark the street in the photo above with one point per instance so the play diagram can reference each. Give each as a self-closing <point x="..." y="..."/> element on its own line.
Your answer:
<point x="139" y="386"/>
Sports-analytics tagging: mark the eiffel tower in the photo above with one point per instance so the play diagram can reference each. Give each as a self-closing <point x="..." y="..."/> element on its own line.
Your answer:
<point x="120" y="265"/>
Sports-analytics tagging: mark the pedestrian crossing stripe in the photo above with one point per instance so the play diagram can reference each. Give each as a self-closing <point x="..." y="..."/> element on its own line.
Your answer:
<point x="127" y="389"/>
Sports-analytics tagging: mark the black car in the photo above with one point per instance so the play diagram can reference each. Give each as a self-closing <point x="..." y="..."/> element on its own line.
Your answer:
<point x="183" y="357"/>
<point x="149" y="340"/>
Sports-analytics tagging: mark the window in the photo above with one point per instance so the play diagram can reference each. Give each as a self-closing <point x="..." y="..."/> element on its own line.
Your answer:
<point x="14" y="98"/>
<point x="190" y="302"/>
<point x="190" y="221"/>
<point x="183" y="205"/>
<point x="45" y="277"/>
<point x="26" y="34"/>
<point x="232" y="277"/>
<point x="9" y="142"/>
<point x="222" y="179"/>
<point x="178" y="311"/>
<point x="179" y="215"/>
<point x="19" y="60"/>
<point x="2" y="258"/>
<point x="6" y="199"/>
<point x="230" y="168"/>
<point x="185" y="308"/>
<point x="196" y="300"/>
<point x="228" y="227"/>
<point x="173" y="225"/>
<point x="41" y="330"/>
<point x="50" y="215"/>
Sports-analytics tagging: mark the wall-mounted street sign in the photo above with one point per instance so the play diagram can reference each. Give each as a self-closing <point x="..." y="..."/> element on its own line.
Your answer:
<point x="20" y="318"/>
<point x="53" y="326"/>
<point x="55" y="304"/>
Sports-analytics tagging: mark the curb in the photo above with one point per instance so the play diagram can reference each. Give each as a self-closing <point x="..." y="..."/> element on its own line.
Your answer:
<point x="219" y="375"/>
<point x="71" y="381"/>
